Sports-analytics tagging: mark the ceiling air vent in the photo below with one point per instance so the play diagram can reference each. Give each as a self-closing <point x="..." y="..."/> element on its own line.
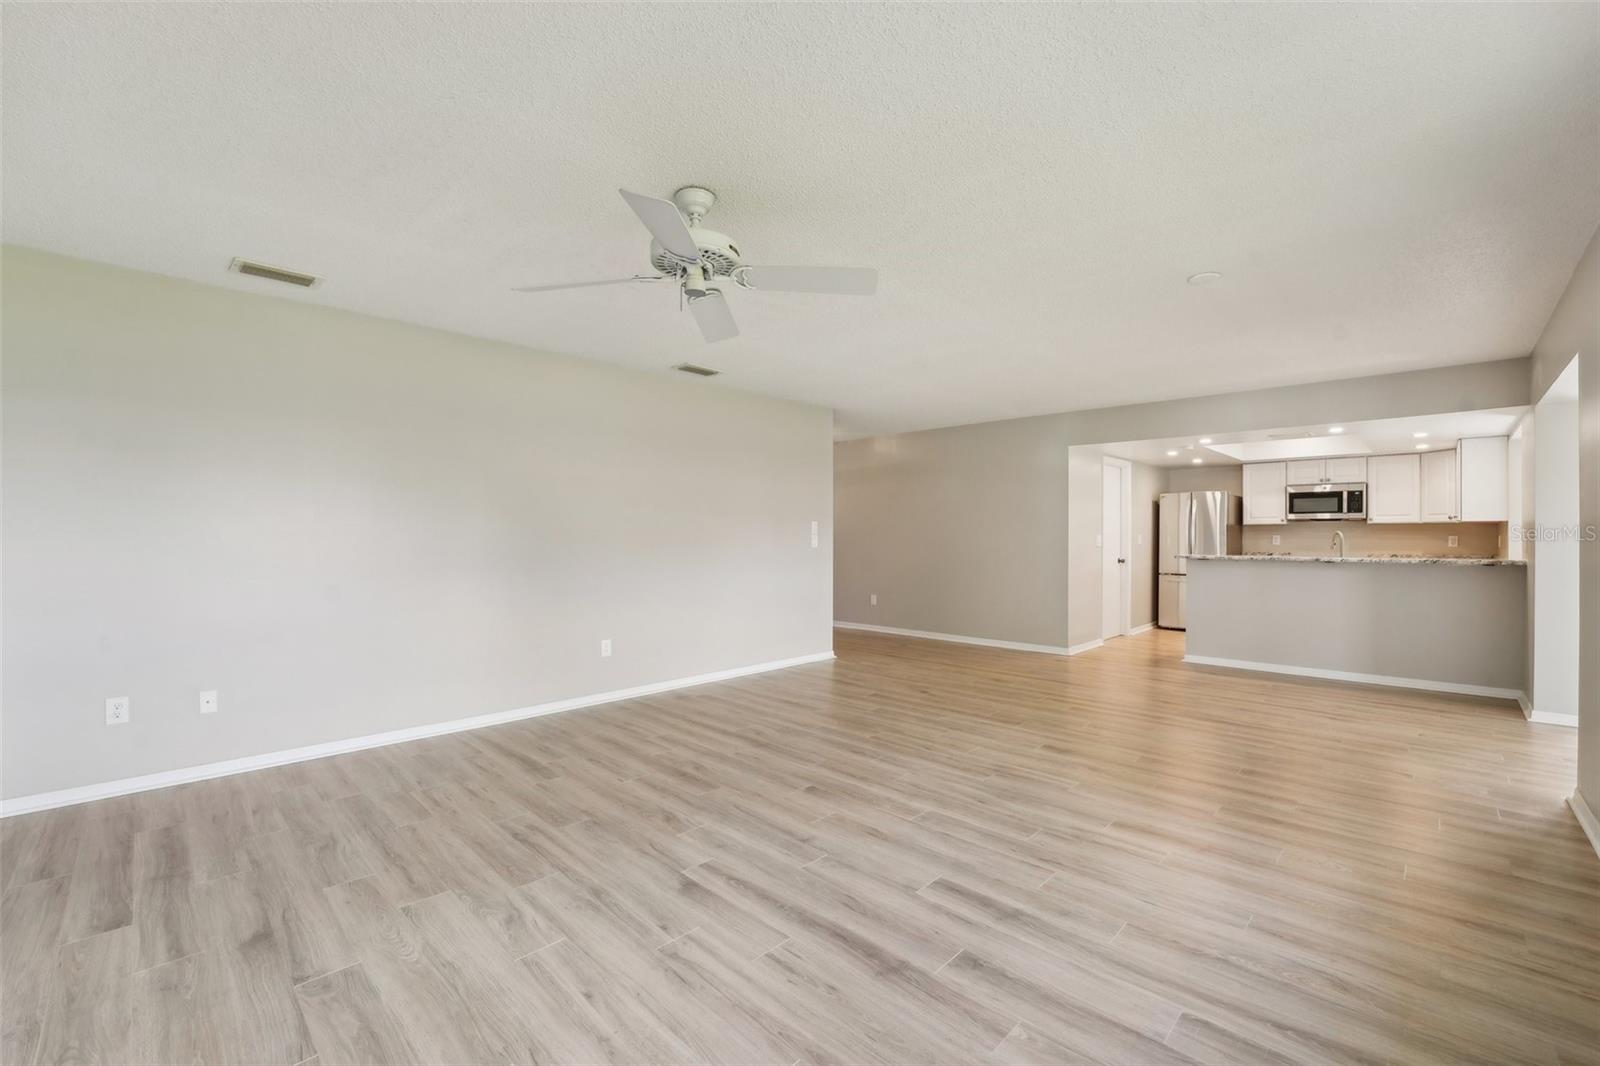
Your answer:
<point x="698" y="371"/>
<point x="272" y="273"/>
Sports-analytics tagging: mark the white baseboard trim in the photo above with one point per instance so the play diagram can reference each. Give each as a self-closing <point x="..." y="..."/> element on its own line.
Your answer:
<point x="1360" y="679"/>
<point x="1136" y="630"/>
<point x="1586" y="819"/>
<point x="68" y="797"/>
<point x="1088" y="645"/>
<point x="1545" y="717"/>
<point x="956" y="638"/>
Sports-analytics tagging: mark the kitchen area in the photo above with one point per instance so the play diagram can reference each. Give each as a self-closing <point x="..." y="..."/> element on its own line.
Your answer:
<point x="1382" y="553"/>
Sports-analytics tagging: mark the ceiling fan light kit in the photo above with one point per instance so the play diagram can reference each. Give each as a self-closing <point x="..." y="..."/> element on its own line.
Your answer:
<point x="682" y="250"/>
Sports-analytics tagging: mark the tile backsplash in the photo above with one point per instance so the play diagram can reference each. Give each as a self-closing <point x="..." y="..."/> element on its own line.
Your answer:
<point x="1476" y="540"/>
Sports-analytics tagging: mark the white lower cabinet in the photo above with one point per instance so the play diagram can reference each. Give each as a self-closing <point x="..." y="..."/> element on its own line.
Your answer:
<point x="1439" y="487"/>
<point x="1394" y="488"/>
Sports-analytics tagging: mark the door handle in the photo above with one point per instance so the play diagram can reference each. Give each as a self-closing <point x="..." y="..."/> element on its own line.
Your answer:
<point x="1122" y="560"/>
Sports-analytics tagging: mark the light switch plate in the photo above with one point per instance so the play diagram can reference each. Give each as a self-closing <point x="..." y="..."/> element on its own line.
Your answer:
<point x="874" y="599"/>
<point x="605" y="649"/>
<point x="814" y="534"/>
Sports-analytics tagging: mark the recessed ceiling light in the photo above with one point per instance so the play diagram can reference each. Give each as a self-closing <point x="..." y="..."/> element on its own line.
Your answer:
<point x="1205" y="277"/>
<point x="1420" y="434"/>
<point x="1197" y="461"/>
<point x="1422" y="447"/>
<point x="1172" y="452"/>
<point x="1205" y="440"/>
<point x="1335" y="429"/>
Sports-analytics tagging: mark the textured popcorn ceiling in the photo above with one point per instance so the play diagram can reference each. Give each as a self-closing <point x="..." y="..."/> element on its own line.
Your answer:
<point x="1383" y="187"/>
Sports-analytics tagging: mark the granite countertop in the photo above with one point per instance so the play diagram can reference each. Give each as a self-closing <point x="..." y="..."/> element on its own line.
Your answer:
<point x="1432" y="560"/>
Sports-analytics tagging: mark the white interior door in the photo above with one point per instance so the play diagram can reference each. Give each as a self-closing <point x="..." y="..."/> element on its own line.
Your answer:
<point x="1113" y="556"/>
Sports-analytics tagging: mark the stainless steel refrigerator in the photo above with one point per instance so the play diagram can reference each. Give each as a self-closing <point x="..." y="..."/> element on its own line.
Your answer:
<point x="1191" y="523"/>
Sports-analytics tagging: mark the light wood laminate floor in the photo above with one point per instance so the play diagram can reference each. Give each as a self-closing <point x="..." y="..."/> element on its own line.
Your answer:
<point x="922" y="852"/>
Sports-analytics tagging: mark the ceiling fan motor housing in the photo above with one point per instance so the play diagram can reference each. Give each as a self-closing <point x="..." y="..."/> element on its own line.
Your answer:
<point x="718" y="254"/>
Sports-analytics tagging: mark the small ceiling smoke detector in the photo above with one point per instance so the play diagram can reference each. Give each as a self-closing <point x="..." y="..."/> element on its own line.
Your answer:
<point x="272" y="273"/>
<point x="1205" y="277"/>
<point x="698" y="371"/>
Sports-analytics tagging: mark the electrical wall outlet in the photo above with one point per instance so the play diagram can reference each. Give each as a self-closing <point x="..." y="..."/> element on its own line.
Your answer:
<point x="208" y="702"/>
<point x="1454" y="541"/>
<point x="605" y="649"/>
<point x="1277" y="539"/>
<point x="118" y="710"/>
<point x="874" y="599"/>
<point x="814" y="534"/>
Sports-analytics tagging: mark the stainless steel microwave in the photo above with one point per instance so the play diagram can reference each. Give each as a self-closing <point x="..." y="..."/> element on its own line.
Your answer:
<point x="1327" y="503"/>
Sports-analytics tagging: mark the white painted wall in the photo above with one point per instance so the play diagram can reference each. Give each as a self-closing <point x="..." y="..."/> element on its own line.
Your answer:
<point x="1556" y="517"/>
<point x="1573" y="332"/>
<point x="347" y="525"/>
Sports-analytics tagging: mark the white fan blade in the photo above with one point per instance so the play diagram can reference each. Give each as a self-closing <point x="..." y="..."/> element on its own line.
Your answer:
<point x="665" y="224"/>
<point x="712" y="315"/>
<point x="836" y="281"/>
<point x="588" y="284"/>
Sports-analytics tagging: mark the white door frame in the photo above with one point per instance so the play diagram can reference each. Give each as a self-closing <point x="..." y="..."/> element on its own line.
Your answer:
<point x="1122" y="469"/>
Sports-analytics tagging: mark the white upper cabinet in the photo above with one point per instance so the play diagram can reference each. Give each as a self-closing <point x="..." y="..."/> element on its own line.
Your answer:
<point x="1439" y="487"/>
<point x="1264" y="500"/>
<point x="1307" y="471"/>
<point x="1351" y="470"/>
<point x="1484" y="478"/>
<point x="1394" y="488"/>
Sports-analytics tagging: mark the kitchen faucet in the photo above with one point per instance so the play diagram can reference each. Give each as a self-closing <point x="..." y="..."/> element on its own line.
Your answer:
<point x="1338" y="541"/>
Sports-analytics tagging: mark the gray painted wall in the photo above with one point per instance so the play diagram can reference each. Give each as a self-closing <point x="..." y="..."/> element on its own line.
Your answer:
<point x="1205" y="479"/>
<point x="1574" y="331"/>
<point x="1086" y="561"/>
<point x="967" y="530"/>
<point x="348" y="525"/>
<point x="1406" y="621"/>
<point x="958" y="531"/>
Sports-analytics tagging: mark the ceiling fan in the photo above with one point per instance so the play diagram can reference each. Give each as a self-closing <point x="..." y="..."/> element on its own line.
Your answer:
<point x="694" y="257"/>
